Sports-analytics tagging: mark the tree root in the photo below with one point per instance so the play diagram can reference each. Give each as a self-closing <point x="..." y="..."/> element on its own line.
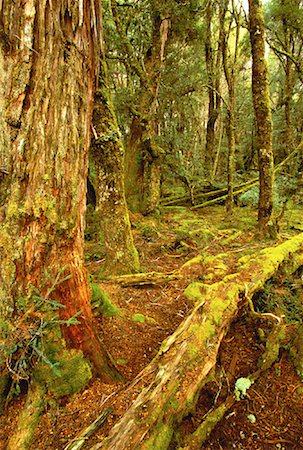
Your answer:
<point x="28" y="418"/>
<point x="80" y="440"/>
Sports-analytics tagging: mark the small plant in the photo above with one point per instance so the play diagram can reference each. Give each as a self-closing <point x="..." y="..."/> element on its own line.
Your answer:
<point x="241" y="386"/>
<point x="23" y="340"/>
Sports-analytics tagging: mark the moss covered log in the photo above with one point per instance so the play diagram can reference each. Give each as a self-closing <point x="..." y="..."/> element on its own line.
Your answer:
<point x="177" y="374"/>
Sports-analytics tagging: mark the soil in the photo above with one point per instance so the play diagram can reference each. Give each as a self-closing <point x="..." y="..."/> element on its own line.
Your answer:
<point x="271" y="414"/>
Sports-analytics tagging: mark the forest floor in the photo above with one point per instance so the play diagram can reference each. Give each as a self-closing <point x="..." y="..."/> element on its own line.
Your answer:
<point x="271" y="414"/>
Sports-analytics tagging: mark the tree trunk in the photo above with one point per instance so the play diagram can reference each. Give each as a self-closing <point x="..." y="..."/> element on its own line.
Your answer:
<point x="261" y="101"/>
<point x="107" y="153"/>
<point x="143" y="156"/>
<point x="47" y="68"/>
<point x="213" y="67"/>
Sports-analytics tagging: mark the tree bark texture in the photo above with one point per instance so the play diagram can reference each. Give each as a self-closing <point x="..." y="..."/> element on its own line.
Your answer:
<point x="48" y="64"/>
<point x="107" y="153"/>
<point x="261" y="102"/>
<point x="169" y="386"/>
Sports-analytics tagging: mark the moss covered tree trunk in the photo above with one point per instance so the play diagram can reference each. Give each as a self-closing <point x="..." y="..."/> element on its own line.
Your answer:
<point x="230" y="61"/>
<point x="261" y="101"/>
<point x="143" y="156"/>
<point x="48" y="64"/>
<point x="107" y="154"/>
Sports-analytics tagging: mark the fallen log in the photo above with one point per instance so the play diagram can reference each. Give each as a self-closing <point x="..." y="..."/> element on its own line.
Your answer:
<point x="222" y="196"/>
<point x="171" y="383"/>
<point x="144" y="279"/>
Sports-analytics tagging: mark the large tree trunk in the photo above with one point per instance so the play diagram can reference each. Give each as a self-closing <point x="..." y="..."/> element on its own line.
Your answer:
<point x="107" y="153"/>
<point x="261" y="101"/>
<point x="48" y="65"/>
<point x="168" y="388"/>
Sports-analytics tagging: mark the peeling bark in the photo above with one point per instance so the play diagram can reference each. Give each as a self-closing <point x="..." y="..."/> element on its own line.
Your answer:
<point x="49" y="65"/>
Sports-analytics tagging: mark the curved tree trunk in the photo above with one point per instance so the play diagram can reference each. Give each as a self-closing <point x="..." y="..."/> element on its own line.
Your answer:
<point x="107" y="153"/>
<point x="48" y="64"/>
<point x="261" y="101"/>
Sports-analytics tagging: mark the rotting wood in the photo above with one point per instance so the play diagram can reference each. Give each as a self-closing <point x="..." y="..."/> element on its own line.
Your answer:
<point x="80" y="440"/>
<point x="144" y="279"/>
<point x="177" y="374"/>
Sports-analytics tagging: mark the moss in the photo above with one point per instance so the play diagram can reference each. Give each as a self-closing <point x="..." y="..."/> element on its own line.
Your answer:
<point x="137" y="317"/>
<point x="193" y="351"/>
<point x="101" y="301"/>
<point x="193" y="291"/>
<point x="73" y="374"/>
<point x="160" y="438"/>
<point x="197" y="260"/>
<point x="273" y="344"/>
<point x="175" y="404"/>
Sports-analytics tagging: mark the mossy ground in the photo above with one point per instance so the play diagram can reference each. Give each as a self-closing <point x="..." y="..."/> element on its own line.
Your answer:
<point x="133" y="340"/>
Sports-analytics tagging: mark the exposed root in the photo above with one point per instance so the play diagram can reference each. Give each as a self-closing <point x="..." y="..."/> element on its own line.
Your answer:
<point x="29" y="418"/>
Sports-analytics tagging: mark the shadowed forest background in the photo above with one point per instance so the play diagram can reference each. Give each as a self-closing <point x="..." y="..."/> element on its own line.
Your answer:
<point x="151" y="234"/>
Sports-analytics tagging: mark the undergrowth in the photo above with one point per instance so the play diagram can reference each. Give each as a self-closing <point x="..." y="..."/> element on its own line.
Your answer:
<point x="23" y="338"/>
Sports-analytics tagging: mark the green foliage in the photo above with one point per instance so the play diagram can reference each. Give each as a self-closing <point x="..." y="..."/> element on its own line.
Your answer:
<point x="101" y="301"/>
<point x="284" y="187"/>
<point x="250" y="197"/>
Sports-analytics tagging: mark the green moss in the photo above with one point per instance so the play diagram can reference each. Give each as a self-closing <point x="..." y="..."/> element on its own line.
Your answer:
<point x="197" y="260"/>
<point x="72" y="373"/>
<point x="273" y="344"/>
<point x="175" y="404"/>
<point x="160" y="438"/>
<point x="193" y="351"/>
<point x="121" y="362"/>
<point x="137" y="317"/>
<point x="193" y="291"/>
<point x="101" y="301"/>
